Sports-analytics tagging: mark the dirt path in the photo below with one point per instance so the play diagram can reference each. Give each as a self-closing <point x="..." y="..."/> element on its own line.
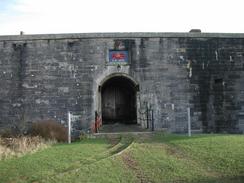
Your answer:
<point x="131" y="163"/>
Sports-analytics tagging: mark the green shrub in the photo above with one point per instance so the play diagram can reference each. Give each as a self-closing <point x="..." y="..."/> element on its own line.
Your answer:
<point x="6" y="133"/>
<point x="50" y="129"/>
<point x="10" y="133"/>
<point x="83" y="136"/>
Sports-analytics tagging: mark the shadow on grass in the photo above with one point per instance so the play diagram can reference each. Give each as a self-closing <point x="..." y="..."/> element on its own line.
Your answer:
<point x="101" y="141"/>
<point x="238" y="179"/>
<point x="166" y="137"/>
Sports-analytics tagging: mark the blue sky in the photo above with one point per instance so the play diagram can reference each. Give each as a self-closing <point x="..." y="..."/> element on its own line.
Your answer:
<point x="4" y="4"/>
<point x="75" y="16"/>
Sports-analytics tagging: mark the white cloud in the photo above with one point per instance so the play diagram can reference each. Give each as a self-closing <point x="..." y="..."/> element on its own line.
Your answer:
<point x="68" y="16"/>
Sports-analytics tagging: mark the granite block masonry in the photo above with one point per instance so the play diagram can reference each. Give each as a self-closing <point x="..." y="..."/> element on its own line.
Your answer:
<point x="45" y="76"/>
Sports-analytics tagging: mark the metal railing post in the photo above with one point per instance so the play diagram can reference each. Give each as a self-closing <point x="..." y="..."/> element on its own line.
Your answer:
<point x="189" y="121"/>
<point x="69" y="127"/>
<point x="147" y="117"/>
<point x="96" y="115"/>
<point x="152" y="121"/>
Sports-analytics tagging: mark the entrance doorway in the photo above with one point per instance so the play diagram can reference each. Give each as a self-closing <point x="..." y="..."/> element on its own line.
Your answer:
<point x="118" y="96"/>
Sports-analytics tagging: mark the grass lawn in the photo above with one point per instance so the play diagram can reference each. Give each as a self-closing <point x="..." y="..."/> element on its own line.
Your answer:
<point x="160" y="158"/>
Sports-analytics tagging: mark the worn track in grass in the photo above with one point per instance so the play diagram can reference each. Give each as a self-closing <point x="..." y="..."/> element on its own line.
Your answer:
<point x="116" y="149"/>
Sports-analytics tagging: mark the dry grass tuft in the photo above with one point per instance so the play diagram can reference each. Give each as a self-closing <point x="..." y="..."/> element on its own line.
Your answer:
<point x="15" y="147"/>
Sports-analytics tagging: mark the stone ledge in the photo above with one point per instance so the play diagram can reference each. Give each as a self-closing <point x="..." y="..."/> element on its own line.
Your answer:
<point x="119" y="35"/>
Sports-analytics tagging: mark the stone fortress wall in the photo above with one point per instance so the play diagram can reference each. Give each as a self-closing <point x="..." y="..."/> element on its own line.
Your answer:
<point x="45" y="76"/>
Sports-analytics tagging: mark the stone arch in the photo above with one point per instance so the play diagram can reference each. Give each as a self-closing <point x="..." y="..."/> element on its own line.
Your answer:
<point x="124" y="86"/>
<point x="119" y="75"/>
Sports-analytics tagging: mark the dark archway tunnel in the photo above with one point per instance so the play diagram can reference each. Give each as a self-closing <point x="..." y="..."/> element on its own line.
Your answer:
<point x="119" y="101"/>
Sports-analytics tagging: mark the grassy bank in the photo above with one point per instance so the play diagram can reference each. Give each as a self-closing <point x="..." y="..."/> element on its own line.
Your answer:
<point x="16" y="147"/>
<point x="161" y="158"/>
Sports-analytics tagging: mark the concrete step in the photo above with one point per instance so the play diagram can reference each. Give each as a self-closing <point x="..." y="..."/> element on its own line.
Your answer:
<point x="122" y="134"/>
<point x="120" y="127"/>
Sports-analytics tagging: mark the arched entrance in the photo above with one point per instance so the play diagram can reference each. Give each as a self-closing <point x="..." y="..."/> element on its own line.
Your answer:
<point x="118" y="100"/>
